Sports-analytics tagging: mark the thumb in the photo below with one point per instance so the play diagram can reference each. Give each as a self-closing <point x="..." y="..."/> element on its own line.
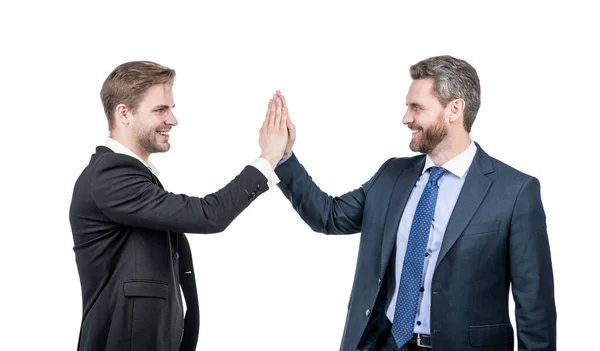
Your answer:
<point x="291" y="130"/>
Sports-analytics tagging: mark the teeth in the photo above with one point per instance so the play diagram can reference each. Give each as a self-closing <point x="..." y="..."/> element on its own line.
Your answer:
<point x="163" y="133"/>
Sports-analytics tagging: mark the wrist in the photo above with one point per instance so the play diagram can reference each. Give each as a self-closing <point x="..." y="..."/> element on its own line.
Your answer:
<point x="273" y="161"/>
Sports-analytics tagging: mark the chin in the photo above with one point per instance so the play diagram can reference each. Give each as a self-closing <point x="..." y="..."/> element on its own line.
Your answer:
<point x="162" y="145"/>
<point x="158" y="148"/>
<point x="414" y="146"/>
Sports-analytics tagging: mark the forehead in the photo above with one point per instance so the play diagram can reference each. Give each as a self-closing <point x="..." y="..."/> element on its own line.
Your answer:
<point x="159" y="94"/>
<point x="420" y="90"/>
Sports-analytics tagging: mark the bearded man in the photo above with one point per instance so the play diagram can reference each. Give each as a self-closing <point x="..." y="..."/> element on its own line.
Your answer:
<point x="444" y="235"/>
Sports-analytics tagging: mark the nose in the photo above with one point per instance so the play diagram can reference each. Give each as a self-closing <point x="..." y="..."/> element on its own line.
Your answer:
<point x="408" y="118"/>
<point x="172" y="121"/>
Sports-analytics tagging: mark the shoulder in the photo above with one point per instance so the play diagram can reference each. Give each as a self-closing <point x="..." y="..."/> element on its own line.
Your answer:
<point x="109" y="170"/>
<point x="508" y="173"/>
<point x="506" y="169"/>
<point x="505" y="175"/>
<point x="395" y="164"/>
<point x="111" y="161"/>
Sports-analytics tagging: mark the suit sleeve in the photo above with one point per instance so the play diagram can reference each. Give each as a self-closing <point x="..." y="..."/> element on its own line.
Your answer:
<point x="322" y="212"/>
<point x="124" y="191"/>
<point x="531" y="271"/>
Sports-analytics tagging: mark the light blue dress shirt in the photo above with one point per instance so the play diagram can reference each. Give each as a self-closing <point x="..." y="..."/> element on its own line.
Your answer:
<point x="450" y="185"/>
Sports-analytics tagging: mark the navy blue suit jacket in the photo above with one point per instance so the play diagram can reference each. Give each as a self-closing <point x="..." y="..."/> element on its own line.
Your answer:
<point x="496" y="237"/>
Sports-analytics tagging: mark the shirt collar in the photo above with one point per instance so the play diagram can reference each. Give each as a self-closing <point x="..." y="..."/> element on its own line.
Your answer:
<point x="119" y="148"/>
<point x="458" y="165"/>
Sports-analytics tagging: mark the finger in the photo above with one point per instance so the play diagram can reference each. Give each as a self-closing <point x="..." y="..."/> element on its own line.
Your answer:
<point x="266" y="121"/>
<point x="284" y="117"/>
<point x="284" y="110"/>
<point x="283" y="100"/>
<point x="273" y="107"/>
<point x="278" y="114"/>
<point x="268" y="109"/>
<point x="291" y="129"/>
<point x="283" y="103"/>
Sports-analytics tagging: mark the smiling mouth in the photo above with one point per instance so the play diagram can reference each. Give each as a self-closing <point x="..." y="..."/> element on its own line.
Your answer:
<point x="163" y="133"/>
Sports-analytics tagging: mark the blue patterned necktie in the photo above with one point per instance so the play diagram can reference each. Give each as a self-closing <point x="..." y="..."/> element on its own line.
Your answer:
<point x="412" y="269"/>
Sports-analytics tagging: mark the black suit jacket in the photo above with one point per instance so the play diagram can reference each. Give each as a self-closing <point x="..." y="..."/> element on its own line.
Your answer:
<point x="132" y="255"/>
<point x="496" y="236"/>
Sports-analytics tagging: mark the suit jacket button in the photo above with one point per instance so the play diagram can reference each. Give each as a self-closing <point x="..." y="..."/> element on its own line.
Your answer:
<point x="176" y="255"/>
<point x="367" y="313"/>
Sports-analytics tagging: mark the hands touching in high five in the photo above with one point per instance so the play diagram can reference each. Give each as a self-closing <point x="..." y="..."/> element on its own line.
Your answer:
<point x="278" y="133"/>
<point x="290" y="126"/>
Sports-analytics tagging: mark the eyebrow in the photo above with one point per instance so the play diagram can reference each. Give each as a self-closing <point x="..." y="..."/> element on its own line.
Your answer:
<point x="414" y="104"/>
<point x="158" y="107"/>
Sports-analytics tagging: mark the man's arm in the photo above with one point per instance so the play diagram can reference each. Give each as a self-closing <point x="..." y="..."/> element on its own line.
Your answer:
<point x="531" y="271"/>
<point x="322" y="212"/>
<point x="123" y="190"/>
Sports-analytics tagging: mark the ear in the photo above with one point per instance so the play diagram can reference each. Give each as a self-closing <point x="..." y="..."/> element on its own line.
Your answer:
<point x="455" y="110"/>
<point x="122" y="115"/>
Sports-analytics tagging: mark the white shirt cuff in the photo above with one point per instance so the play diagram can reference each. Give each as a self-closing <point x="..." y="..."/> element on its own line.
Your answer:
<point x="265" y="168"/>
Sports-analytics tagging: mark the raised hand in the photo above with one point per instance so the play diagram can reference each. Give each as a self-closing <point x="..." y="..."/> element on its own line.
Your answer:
<point x="273" y="137"/>
<point x="290" y="126"/>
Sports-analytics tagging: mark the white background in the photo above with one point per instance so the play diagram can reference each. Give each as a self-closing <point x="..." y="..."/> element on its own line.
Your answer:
<point x="269" y="282"/>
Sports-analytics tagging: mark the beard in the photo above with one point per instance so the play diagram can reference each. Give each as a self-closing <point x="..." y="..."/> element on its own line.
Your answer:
<point x="146" y="137"/>
<point x="431" y="137"/>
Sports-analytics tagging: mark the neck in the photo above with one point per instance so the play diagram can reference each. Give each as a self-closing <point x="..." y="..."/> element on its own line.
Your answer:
<point x="131" y="145"/>
<point x="449" y="148"/>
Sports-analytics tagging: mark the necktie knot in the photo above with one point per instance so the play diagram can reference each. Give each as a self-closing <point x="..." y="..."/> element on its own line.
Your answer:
<point x="435" y="174"/>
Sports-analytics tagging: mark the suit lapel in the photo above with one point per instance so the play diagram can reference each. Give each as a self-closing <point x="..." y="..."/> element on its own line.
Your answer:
<point x="400" y="194"/>
<point x="472" y="194"/>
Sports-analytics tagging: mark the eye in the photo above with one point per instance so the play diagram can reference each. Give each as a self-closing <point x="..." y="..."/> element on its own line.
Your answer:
<point x="418" y="108"/>
<point x="160" y="110"/>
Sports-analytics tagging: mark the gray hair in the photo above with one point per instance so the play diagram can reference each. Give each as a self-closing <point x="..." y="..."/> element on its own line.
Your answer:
<point x="453" y="79"/>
